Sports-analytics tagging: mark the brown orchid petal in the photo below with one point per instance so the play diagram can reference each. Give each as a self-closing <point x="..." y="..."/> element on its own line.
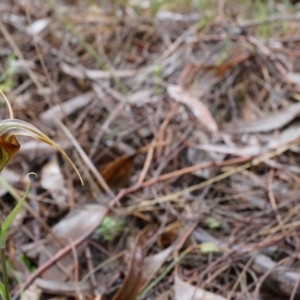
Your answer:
<point x="9" y="146"/>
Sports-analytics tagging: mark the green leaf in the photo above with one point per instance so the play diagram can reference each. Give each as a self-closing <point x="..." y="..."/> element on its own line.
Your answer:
<point x="7" y="77"/>
<point x="30" y="266"/>
<point x="110" y="228"/>
<point x="209" y="248"/>
<point x="6" y="224"/>
<point x="212" y="223"/>
<point x="2" y="291"/>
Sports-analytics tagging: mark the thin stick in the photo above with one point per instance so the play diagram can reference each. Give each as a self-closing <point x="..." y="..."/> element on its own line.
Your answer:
<point x="272" y="198"/>
<point x="187" y="170"/>
<point x="154" y="143"/>
<point x="217" y="178"/>
<point x="86" y="159"/>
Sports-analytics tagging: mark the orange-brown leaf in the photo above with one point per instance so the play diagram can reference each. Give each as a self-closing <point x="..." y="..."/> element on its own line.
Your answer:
<point x="232" y="61"/>
<point x="117" y="173"/>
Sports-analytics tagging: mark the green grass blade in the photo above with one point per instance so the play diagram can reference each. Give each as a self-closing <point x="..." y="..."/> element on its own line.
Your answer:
<point x="2" y="290"/>
<point x="6" y="224"/>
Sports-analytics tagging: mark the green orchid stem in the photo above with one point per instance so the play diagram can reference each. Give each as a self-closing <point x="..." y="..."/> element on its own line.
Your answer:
<point x="4" y="271"/>
<point x="4" y="268"/>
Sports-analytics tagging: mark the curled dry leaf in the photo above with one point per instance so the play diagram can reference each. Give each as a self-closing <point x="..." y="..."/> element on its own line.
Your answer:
<point x="196" y="106"/>
<point x="185" y="291"/>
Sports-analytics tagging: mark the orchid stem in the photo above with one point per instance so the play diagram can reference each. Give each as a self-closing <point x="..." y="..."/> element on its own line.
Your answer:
<point x="4" y="271"/>
<point x="4" y="268"/>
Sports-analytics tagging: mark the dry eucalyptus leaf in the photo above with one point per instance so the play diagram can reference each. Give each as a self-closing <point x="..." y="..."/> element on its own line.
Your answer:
<point x="294" y="77"/>
<point x="196" y="106"/>
<point x="32" y="293"/>
<point x="164" y="296"/>
<point x="66" y="108"/>
<point x="284" y="137"/>
<point x="142" y="97"/>
<point x="153" y="263"/>
<point x="52" y="178"/>
<point x="71" y="227"/>
<point x="81" y="72"/>
<point x="66" y="288"/>
<point x="38" y="26"/>
<point x="196" y="156"/>
<point x="53" y="181"/>
<point x="271" y="122"/>
<point x="32" y="149"/>
<point x="185" y="291"/>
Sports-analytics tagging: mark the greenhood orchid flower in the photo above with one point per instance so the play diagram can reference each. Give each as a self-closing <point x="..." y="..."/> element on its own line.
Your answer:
<point x="9" y="145"/>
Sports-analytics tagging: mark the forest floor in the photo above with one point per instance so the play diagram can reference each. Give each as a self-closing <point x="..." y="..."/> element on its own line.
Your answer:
<point x="184" y="124"/>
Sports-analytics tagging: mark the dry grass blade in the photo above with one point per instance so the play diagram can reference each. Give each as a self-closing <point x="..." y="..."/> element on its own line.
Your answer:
<point x="85" y="158"/>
